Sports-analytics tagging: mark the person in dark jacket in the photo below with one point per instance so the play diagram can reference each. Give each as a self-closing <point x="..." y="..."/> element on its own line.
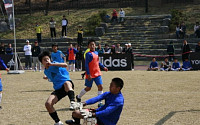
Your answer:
<point x="2" y="48"/>
<point x="197" y="49"/>
<point x="185" y="50"/>
<point x="80" y="35"/>
<point x="9" y="50"/>
<point x="79" y="57"/>
<point x="170" y="51"/>
<point x="36" y="50"/>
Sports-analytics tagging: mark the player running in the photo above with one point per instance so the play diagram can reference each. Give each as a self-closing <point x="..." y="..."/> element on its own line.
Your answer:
<point x="93" y="72"/>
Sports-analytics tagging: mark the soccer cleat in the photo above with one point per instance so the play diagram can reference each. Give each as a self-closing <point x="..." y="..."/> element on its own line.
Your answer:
<point x="78" y="99"/>
<point x="83" y="75"/>
<point x="72" y="106"/>
<point x="71" y="122"/>
<point x="59" y="123"/>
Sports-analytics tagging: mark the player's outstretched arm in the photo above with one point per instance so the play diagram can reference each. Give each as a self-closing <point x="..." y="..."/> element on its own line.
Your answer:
<point x="58" y="64"/>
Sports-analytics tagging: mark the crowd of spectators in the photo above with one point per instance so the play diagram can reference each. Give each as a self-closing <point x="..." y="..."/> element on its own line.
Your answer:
<point x="167" y="66"/>
<point x="180" y="30"/>
<point x="6" y="50"/>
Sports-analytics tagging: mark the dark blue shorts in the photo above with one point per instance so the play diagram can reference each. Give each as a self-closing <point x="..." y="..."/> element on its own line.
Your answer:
<point x="97" y="80"/>
<point x="71" y="61"/>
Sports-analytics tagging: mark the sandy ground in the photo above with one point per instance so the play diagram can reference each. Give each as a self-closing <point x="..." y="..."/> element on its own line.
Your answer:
<point x="151" y="98"/>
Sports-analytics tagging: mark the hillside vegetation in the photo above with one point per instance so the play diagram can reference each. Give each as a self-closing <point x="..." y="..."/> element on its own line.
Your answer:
<point x="25" y="29"/>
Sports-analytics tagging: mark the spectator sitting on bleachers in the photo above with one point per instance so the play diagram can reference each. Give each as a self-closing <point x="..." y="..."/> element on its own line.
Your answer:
<point x="99" y="49"/>
<point x="107" y="50"/>
<point x="2" y="48"/>
<point x="153" y="65"/>
<point x="112" y="49"/>
<point x="9" y="49"/>
<point x="118" y="48"/>
<point x="186" y="65"/>
<point x="176" y="65"/>
<point x="178" y="31"/>
<point x="183" y="30"/>
<point x="197" y="30"/>
<point x="197" y="49"/>
<point x="165" y="66"/>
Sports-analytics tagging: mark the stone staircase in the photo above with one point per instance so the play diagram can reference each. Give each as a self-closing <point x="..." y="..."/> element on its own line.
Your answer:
<point x="148" y="34"/>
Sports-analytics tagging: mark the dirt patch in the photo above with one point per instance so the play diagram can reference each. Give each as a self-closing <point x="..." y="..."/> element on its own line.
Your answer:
<point x="151" y="98"/>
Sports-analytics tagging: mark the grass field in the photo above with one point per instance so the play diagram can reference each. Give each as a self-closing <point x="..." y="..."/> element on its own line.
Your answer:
<point x="151" y="98"/>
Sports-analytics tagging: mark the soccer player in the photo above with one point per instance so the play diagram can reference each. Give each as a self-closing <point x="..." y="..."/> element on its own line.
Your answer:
<point x="86" y="51"/>
<point x="57" y="55"/>
<point x="186" y="65"/>
<point x="71" y="57"/>
<point x="109" y="113"/>
<point x="57" y="73"/>
<point x="153" y="65"/>
<point x="93" y="72"/>
<point x="176" y="65"/>
<point x="165" y="66"/>
<point x="2" y="66"/>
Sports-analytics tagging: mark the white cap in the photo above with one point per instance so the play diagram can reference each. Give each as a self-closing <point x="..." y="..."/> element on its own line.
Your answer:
<point x="126" y="44"/>
<point x="129" y="44"/>
<point x="27" y="41"/>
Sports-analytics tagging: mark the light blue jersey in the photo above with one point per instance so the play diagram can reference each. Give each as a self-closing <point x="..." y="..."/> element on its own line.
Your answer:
<point x="57" y="75"/>
<point x="58" y="56"/>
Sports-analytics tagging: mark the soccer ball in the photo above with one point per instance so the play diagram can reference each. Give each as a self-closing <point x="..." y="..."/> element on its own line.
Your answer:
<point x="90" y="121"/>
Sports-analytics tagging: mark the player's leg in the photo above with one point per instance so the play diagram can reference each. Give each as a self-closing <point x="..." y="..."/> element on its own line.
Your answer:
<point x="73" y="65"/>
<point x="34" y="63"/>
<point x="99" y="83"/>
<point x="1" y="89"/>
<point x="68" y="86"/>
<point x="88" y="87"/>
<point x="53" y="99"/>
<point x="76" y="115"/>
<point x="70" y="65"/>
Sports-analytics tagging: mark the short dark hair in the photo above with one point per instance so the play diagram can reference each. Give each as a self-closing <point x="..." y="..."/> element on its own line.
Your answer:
<point x="118" y="82"/>
<point x="91" y="40"/>
<point x="54" y="44"/>
<point x="43" y="54"/>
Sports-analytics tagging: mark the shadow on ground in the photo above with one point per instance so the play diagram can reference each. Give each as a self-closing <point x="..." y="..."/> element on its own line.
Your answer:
<point x="171" y="114"/>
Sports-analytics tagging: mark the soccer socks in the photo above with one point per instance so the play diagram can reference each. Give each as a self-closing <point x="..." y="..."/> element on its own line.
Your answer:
<point x="70" y="67"/>
<point x="99" y="93"/>
<point x="0" y="97"/>
<point x="73" y="67"/>
<point x="54" y="116"/>
<point x="81" y="93"/>
<point x="71" y="96"/>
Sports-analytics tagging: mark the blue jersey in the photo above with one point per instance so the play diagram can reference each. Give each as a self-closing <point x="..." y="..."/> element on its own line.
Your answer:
<point x="2" y="64"/>
<point x="154" y="65"/>
<point x="186" y="64"/>
<point x="57" y="75"/>
<point x="176" y="65"/>
<point x="110" y="112"/>
<point x="58" y="56"/>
